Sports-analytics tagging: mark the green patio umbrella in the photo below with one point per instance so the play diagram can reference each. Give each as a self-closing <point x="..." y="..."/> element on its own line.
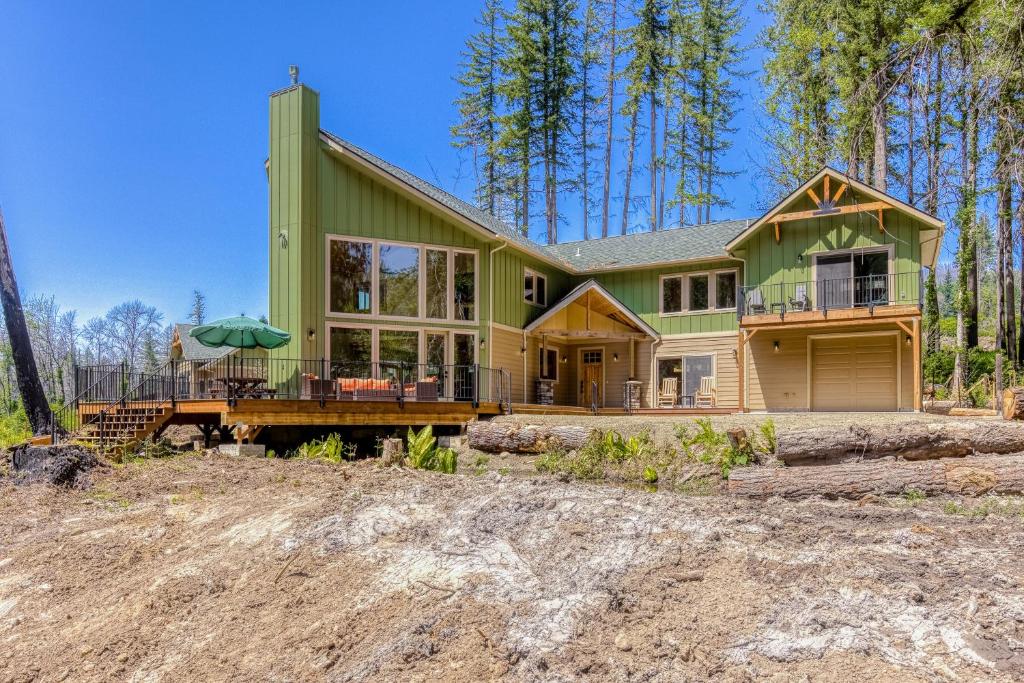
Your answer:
<point x="241" y="333"/>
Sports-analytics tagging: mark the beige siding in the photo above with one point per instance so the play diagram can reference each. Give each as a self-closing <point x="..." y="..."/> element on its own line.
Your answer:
<point x="778" y="380"/>
<point x="562" y="386"/>
<point x="726" y="373"/>
<point x="505" y="346"/>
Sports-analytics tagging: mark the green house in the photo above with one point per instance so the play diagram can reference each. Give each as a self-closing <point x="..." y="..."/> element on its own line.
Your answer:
<point x="815" y="305"/>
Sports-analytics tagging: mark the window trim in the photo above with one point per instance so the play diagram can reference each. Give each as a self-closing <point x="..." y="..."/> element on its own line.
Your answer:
<point x="374" y="313"/>
<point x="558" y="361"/>
<point x="421" y="344"/>
<point x="530" y="272"/>
<point x="889" y="249"/>
<point x="681" y="357"/>
<point x="684" y="287"/>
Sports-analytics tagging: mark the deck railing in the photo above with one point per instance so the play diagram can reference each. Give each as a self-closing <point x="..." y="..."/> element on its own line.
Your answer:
<point x="320" y="379"/>
<point x="864" y="291"/>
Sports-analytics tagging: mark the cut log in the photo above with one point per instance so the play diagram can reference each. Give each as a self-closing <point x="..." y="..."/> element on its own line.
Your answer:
<point x="974" y="476"/>
<point x="495" y="437"/>
<point x="1013" y="403"/>
<point x="904" y="441"/>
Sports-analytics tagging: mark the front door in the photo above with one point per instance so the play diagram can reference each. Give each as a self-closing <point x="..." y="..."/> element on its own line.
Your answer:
<point x="591" y="373"/>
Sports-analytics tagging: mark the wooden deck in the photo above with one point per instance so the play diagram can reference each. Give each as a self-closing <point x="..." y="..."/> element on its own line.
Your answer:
<point x="818" y="318"/>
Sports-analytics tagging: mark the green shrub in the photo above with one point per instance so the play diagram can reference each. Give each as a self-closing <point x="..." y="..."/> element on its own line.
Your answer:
<point x="423" y="453"/>
<point x="330" y="449"/>
<point x="14" y="427"/>
<point x="601" y="451"/>
<point x="712" y="447"/>
<point x="650" y="475"/>
<point x="767" y="439"/>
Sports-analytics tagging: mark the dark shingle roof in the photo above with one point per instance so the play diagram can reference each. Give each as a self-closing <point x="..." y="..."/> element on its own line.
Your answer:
<point x="638" y="249"/>
<point x="193" y="350"/>
<point x="649" y="248"/>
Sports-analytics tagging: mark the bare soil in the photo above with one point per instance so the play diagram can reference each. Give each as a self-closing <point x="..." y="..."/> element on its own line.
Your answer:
<point x="216" y="568"/>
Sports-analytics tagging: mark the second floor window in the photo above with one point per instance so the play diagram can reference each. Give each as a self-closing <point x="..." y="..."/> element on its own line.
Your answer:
<point x="698" y="292"/>
<point x="535" y="288"/>
<point x="371" y="277"/>
<point x="725" y="290"/>
<point x="698" y="299"/>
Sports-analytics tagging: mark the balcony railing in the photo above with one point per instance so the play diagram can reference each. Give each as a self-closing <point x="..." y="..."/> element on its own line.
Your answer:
<point x="305" y="379"/>
<point x="863" y="291"/>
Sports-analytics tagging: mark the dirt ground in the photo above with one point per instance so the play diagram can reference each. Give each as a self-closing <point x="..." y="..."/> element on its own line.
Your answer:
<point x="216" y="568"/>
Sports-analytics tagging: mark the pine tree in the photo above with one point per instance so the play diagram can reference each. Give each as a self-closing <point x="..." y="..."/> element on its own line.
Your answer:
<point x="719" y="52"/>
<point x="198" y="314"/>
<point x="589" y="61"/>
<point x="477" y="105"/>
<point x="611" y="53"/>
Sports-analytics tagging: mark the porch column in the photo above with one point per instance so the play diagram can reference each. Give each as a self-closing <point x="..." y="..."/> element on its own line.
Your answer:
<point x="918" y="406"/>
<point x="741" y="352"/>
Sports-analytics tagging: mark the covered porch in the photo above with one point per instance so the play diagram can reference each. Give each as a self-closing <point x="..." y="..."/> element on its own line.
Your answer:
<point x="588" y="351"/>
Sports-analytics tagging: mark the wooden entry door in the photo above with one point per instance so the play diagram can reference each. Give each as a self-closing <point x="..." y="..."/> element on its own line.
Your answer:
<point x="591" y="370"/>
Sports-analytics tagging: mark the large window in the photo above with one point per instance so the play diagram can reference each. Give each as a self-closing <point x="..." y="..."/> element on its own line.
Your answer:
<point x="687" y="371"/>
<point x="698" y="292"/>
<point x="399" y="346"/>
<point x="852" y="279"/>
<point x="465" y="286"/>
<point x="351" y="351"/>
<point x="535" y="288"/>
<point x="437" y="284"/>
<point x="399" y="280"/>
<point x="351" y="276"/>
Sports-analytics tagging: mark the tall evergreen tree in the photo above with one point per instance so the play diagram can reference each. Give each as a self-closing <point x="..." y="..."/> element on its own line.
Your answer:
<point x="478" y="105"/>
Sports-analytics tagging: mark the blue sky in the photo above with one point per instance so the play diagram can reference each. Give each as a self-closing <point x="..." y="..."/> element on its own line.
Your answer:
<point x="134" y="134"/>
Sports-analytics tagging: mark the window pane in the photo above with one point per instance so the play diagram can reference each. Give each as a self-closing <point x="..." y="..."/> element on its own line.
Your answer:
<point x="436" y="344"/>
<point x="399" y="346"/>
<point x="528" y="287"/>
<point x="551" y="371"/>
<point x="697" y="367"/>
<point x="725" y="290"/>
<point x="462" y="374"/>
<point x="463" y="349"/>
<point x="399" y="280"/>
<point x="670" y="368"/>
<point x="699" y="293"/>
<point x="672" y="295"/>
<point x="350" y="352"/>
<point x="437" y="284"/>
<point x="351" y="264"/>
<point x="542" y="295"/>
<point x="465" y="286"/>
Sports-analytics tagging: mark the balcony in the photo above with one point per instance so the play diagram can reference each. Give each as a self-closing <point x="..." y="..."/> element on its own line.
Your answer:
<point x="882" y="296"/>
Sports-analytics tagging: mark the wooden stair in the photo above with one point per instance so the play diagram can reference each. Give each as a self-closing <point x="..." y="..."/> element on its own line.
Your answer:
<point x="123" y="427"/>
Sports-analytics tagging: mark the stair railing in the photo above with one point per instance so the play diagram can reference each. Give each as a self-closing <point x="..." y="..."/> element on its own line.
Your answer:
<point x="65" y="419"/>
<point x="135" y="391"/>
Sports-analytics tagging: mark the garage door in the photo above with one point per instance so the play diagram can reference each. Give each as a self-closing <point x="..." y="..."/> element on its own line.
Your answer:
<point x="854" y="373"/>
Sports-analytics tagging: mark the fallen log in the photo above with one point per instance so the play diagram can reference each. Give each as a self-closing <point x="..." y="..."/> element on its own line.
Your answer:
<point x="496" y="437"/>
<point x="1013" y="403"/>
<point x="973" y="476"/>
<point x="904" y="441"/>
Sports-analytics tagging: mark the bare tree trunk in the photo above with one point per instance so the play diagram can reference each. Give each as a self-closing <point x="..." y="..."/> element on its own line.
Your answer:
<point x="629" y="168"/>
<point x="29" y="386"/>
<point x="654" y="160"/>
<point x="880" y="124"/>
<point x="610" y="97"/>
<point x="911" y="92"/>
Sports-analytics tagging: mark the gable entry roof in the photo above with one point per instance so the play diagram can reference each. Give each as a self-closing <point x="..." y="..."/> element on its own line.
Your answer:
<point x="621" y="314"/>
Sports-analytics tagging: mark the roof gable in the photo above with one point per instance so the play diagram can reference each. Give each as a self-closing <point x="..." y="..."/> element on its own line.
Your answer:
<point x="831" y="192"/>
<point x="608" y="306"/>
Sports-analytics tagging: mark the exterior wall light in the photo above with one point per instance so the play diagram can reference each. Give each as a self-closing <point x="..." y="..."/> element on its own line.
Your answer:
<point x="310" y="334"/>
<point x="483" y="343"/>
<point x="615" y="357"/>
<point x="775" y="345"/>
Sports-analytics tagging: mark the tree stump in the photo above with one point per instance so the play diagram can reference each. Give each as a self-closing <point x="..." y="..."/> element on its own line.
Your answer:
<point x="1013" y="403"/>
<point x="392" y="453"/>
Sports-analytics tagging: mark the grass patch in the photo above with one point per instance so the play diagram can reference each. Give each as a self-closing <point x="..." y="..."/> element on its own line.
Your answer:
<point x="14" y="428"/>
<point x="996" y="506"/>
<point x="480" y="464"/>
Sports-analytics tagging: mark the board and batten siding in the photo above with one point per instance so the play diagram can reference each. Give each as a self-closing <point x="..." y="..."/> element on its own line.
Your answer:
<point x="509" y="306"/>
<point x="791" y="259"/>
<point x="640" y="291"/>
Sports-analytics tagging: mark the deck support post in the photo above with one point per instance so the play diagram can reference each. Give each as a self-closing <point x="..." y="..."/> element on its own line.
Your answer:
<point x="741" y="352"/>
<point x="918" y="379"/>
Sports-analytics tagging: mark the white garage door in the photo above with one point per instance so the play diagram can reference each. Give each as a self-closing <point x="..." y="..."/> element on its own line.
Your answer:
<point x="854" y="373"/>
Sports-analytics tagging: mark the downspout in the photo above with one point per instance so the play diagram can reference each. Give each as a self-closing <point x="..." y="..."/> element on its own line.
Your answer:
<point x="490" y="305"/>
<point x="745" y="398"/>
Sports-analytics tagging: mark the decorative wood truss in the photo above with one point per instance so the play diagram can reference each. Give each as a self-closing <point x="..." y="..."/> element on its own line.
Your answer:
<point x="826" y="204"/>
